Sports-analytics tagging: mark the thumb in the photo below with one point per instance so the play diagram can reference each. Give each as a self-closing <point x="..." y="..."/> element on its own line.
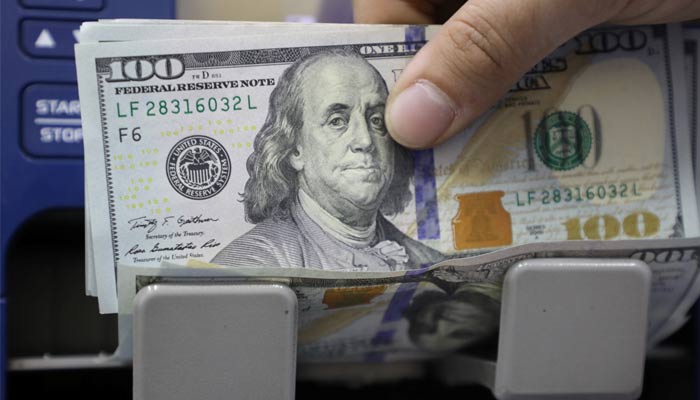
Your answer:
<point x="475" y="58"/>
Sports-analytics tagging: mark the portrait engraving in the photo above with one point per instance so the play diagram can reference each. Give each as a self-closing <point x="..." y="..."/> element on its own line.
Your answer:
<point x="324" y="174"/>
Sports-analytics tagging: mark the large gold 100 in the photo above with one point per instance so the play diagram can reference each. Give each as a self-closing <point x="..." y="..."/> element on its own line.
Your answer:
<point x="639" y="224"/>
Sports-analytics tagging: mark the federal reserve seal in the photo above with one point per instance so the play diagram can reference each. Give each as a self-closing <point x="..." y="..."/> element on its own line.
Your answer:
<point x="562" y="141"/>
<point x="198" y="167"/>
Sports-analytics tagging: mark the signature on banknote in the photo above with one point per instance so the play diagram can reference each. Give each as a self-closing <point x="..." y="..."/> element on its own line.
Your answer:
<point x="151" y="224"/>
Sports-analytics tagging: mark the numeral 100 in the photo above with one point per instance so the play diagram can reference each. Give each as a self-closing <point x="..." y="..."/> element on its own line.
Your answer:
<point x="636" y="225"/>
<point x="143" y="69"/>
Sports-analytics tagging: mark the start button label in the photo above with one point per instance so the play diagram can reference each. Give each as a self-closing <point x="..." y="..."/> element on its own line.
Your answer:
<point x="51" y="116"/>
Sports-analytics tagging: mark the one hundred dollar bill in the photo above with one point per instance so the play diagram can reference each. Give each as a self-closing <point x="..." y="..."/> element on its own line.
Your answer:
<point x="272" y="151"/>
<point x="121" y="30"/>
<point x="346" y="316"/>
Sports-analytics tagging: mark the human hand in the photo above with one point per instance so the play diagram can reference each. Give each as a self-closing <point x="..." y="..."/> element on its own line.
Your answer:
<point x="483" y="48"/>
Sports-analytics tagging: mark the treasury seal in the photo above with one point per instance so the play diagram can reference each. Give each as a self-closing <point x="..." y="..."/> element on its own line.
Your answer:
<point x="562" y="141"/>
<point x="198" y="167"/>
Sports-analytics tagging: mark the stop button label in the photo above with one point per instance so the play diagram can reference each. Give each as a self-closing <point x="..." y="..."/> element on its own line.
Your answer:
<point x="51" y="121"/>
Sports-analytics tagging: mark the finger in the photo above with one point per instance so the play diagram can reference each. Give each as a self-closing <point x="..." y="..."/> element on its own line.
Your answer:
<point x="476" y="57"/>
<point x="657" y="12"/>
<point x="394" y="12"/>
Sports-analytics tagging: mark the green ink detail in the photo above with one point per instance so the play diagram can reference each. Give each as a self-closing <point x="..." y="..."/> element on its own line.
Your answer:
<point x="562" y="141"/>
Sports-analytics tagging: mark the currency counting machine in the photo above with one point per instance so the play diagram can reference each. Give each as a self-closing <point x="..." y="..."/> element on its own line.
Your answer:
<point x="570" y="328"/>
<point x="41" y="148"/>
<point x="563" y="343"/>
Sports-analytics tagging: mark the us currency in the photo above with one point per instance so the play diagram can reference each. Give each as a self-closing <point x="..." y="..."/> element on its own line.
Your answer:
<point x="137" y="30"/>
<point x="128" y="30"/>
<point x="119" y="30"/>
<point x="184" y="137"/>
<point x="342" y="314"/>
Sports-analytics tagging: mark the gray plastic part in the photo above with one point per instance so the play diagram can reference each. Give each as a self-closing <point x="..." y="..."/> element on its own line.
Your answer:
<point x="215" y="342"/>
<point x="573" y="329"/>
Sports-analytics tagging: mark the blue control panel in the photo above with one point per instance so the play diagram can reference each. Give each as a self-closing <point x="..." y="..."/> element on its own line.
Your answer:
<point x="41" y="139"/>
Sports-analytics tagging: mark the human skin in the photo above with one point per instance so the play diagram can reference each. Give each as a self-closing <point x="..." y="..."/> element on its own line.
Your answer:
<point x="483" y="48"/>
<point x="344" y="156"/>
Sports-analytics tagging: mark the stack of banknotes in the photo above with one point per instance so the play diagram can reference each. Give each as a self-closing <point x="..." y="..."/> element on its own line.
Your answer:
<point x="232" y="151"/>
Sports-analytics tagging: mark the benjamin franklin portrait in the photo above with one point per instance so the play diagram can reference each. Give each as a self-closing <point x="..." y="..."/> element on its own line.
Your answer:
<point x="324" y="174"/>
